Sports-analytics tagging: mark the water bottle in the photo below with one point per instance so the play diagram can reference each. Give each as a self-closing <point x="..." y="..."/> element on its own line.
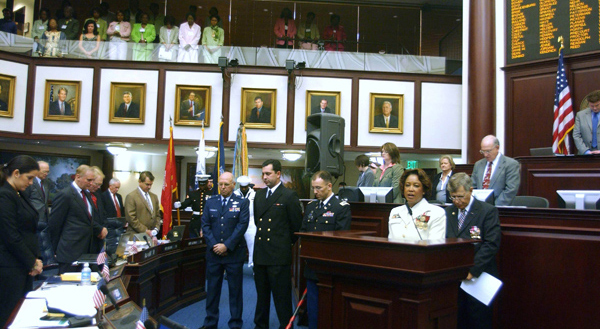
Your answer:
<point x="86" y="275"/>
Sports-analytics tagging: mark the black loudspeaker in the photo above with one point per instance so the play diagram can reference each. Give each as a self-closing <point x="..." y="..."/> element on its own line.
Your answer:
<point x="325" y="143"/>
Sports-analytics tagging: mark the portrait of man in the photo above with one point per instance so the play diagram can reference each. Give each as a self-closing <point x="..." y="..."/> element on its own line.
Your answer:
<point x="61" y="106"/>
<point x="128" y="109"/>
<point x="322" y="102"/>
<point x="386" y="112"/>
<point x="260" y="113"/>
<point x="323" y="107"/>
<point x="192" y="108"/>
<point x="3" y="100"/>
<point x="192" y="105"/>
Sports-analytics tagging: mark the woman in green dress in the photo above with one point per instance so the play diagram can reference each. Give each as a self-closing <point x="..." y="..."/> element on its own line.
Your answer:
<point x="212" y="40"/>
<point x="143" y="34"/>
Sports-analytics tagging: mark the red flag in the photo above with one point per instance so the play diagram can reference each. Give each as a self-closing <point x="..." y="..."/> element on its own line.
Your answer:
<point x="169" y="187"/>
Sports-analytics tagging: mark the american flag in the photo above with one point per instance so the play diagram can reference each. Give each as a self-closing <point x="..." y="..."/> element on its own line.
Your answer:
<point x="101" y="257"/>
<point x="143" y="317"/>
<point x="51" y="92"/>
<point x="133" y="249"/>
<point x="105" y="272"/>
<point x="99" y="297"/>
<point x="564" y="120"/>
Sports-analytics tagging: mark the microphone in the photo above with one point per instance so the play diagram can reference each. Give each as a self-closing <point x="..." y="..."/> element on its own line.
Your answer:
<point x="147" y="242"/>
<point x="105" y="291"/>
<point x="149" y="324"/>
<point x="413" y="221"/>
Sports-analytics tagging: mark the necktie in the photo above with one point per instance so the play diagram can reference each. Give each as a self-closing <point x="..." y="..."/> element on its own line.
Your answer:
<point x="269" y="193"/>
<point x="43" y="192"/>
<point x="149" y="202"/>
<point x="594" y="130"/>
<point x="117" y="206"/>
<point x="461" y="218"/>
<point x="320" y="204"/>
<point x="224" y="203"/>
<point x="95" y="201"/>
<point x="486" y="178"/>
<point x="85" y="201"/>
<point x="387" y="122"/>
<point x="62" y="107"/>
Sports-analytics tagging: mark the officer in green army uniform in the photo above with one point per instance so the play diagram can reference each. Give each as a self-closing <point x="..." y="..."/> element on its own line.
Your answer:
<point x="196" y="199"/>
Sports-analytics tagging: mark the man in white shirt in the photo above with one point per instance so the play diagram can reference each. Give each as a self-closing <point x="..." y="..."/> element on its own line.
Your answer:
<point x="142" y="208"/>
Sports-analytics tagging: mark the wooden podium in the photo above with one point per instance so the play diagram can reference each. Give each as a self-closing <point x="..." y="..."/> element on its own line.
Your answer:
<point x="372" y="282"/>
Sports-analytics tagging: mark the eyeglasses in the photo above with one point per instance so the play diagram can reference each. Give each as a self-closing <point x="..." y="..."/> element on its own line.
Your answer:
<point x="485" y="152"/>
<point x="458" y="197"/>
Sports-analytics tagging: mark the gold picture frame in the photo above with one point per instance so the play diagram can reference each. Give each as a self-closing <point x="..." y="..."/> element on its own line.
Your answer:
<point x="62" y="100"/>
<point x="314" y="99"/>
<point x="263" y="119"/>
<point x="395" y="121"/>
<point x="197" y="112"/>
<point x="7" y="95"/>
<point x="119" y="111"/>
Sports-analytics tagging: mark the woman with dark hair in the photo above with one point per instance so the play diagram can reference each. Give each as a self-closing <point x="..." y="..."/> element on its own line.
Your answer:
<point x="39" y="27"/>
<point x="285" y="29"/>
<point x="388" y="175"/>
<point x="118" y="32"/>
<point x="89" y="41"/>
<point x="213" y="40"/>
<point x="19" y="252"/>
<point x="189" y="36"/>
<point x="101" y="24"/>
<point x="53" y="40"/>
<point x="143" y="34"/>
<point x="169" y="38"/>
<point x="416" y="219"/>
<point x="440" y="181"/>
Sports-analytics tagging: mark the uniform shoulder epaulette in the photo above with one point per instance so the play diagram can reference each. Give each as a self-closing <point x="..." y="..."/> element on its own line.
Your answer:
<point x="214" y="196"/>
<point x="312" y="201"/>
<point x="344" y="203"/>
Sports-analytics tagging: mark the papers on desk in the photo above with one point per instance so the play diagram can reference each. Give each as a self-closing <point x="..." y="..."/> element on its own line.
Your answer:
<point x="76" y="300"/>
<point x="483" y="288"/>
<point x="30" y="313"/>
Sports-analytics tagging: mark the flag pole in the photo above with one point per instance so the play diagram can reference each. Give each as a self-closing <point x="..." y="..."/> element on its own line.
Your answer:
<point x="177" y="189"/>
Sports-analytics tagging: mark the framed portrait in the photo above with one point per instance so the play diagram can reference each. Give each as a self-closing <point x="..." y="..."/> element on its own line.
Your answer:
<point x="192" y="105"/>
<point x="126" y="317"/>
<point x="117" y="289"/>
<point x="62" y="99"/>
<point x="127" y="102"/>
<point x="7" y="95"/>
<point x="322" y="102"/>
<point x="386" y="113"/>
<point x="116" y="272"/>
<point x="259" y="108"/>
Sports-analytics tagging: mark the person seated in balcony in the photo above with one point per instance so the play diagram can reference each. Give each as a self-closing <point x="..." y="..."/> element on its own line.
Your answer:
<point x="7" y="24"/>
<point x="39" y="27"/>
<point x="89" y="41"/>
<point x="308" y="33"/>
<point x="169" y="38"/>
<point x="143" y="34"/>
<point x="212" y="40"/>
<point x="118" y="33"/>
<point x="335" y="34"/>
<point x="52" y="40"/>
<point x="101" y="24"/>
<point x="189" y="36"/>
<point x="285" y="29"/>
<point x="69" y="25"/>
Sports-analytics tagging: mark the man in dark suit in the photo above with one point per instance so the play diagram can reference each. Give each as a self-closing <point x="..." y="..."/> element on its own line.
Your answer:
<point x="128" y="109"/>
<point x="113" y="201"/>
<point x="497" y="171"/>
<point x="224" y="222"/>
<point x="366" y="176"/>
<point x="196" y="199"/>
<point x="73" y="223"/>
<point x="386" y="119"/>
<point x="96" y="196"/>
<point x="469" y="218"/>
<point x="3" y="104"/>
<point x="326" y="213"/>
<point x="322" y="108"/>
<point x="259" y="114"/>
<point x="38" y="195"/>
<point x="278" y="215"/>
<point x="60" y="106"/>
<point x="191" y="108"/>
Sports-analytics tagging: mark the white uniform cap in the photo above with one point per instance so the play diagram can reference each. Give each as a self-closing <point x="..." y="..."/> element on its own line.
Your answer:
<point x="244" y="180"/>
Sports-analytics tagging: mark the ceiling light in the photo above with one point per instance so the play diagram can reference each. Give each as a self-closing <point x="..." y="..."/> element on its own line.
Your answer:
<point x="292" y="155"/>
<point x="116" y="149"/>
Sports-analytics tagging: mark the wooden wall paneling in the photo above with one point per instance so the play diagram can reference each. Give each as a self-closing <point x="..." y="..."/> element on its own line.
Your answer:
<point x="389" y="28"/>
<point x="291" y="106"/>
<point x="168" y="284"/>
<point x="354" y="110"/>
<point x="417" y="114"/>
<point x="437" y="23"/>
<point x="583" y="81"/>
<point x="160" y="104"/>
<point x="30" y="98"/>
<point x="95" y="101"/>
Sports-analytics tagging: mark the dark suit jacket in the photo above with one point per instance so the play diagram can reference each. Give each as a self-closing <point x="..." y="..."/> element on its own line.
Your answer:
<point x="318" y="110"/>
<point x="72" y="230"/>
<point x="226" y="225"/>
<point x="334" y="216"/>
<point x="485" y="217"/>
<point x="366" y="179"/>
<point x="435" y="182"/>
<point x="133" y="112"/>
<point x="264" y="117"/>
<point x="39" y="200"/>
<point x="277" y="219"/>
<point x="18" y="219"/>
<point x="380" y="121"/>
<point x="109" y="205"/>
<point x="185" y="106"/>
<point x="54" y="108"/>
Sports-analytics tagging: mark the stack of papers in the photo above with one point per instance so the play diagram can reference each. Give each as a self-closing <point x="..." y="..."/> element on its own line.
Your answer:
<point x="76" y="300"/>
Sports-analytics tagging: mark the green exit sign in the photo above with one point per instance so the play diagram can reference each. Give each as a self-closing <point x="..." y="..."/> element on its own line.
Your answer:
<point x="412" y="164"/>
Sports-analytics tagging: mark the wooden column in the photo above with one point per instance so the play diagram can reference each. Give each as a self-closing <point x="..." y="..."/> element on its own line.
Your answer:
<point x="482" y="77"/>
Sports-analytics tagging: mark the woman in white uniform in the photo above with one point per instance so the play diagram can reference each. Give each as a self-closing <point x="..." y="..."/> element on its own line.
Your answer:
<point x="417" y="219"/>
<point x="189" y="36"/>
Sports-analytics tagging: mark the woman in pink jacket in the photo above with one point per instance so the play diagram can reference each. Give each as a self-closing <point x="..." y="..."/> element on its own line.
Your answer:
<point x="285" y="29"/>
<point x="118" y="33"/>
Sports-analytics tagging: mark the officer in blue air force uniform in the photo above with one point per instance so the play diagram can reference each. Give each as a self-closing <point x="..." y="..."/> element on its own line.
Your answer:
<point x="326" y="213"/>
<point x="224" y="222"/>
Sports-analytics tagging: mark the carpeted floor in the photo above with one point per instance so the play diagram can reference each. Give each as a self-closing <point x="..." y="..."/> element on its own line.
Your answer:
<point x="193" y="315"/>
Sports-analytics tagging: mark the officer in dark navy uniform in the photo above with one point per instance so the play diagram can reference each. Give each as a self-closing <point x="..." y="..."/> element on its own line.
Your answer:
<point x="196" y="199"/>
<point x="326" y="213"/>
<point x="224" y="223"/>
